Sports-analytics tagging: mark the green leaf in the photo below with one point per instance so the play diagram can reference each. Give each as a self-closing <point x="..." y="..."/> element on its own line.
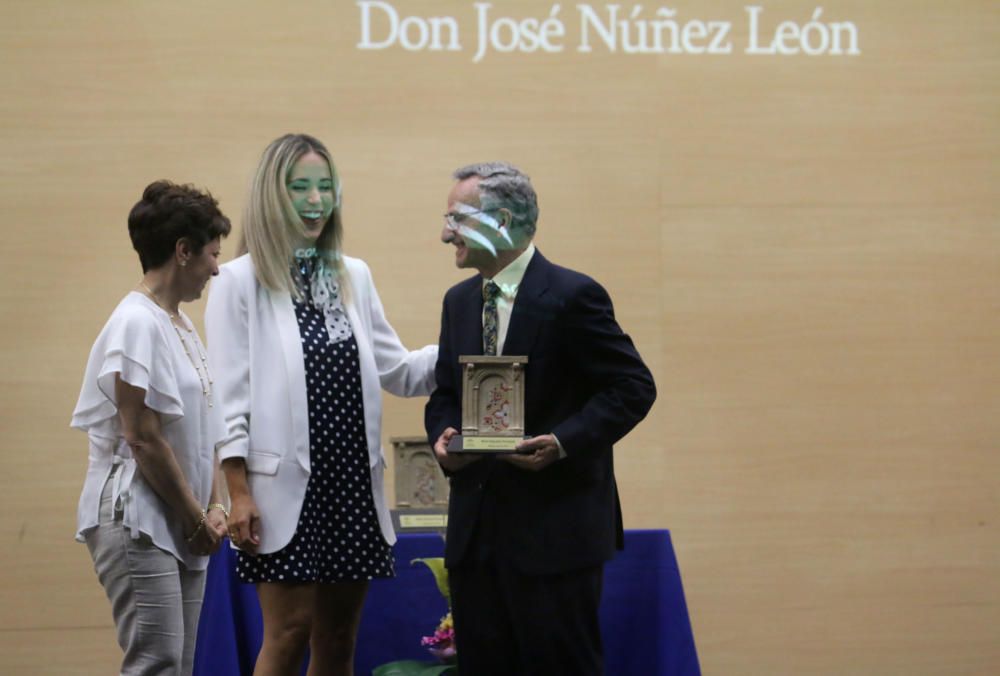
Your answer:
<point x="439" y="669"/>
<point x="436" y="565"/>
<point x="413" y="668"/>
<point x="401" y="668"/>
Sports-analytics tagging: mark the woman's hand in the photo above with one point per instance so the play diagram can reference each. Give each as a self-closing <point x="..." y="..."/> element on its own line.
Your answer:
<point x="244" y="524"/>
<point x="205" y="538"/>
<point x="216" y="522"/>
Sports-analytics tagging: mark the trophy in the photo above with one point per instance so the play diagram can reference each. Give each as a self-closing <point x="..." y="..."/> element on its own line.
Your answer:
<point x="421" y="488"/>
<point x="492" y="404"/>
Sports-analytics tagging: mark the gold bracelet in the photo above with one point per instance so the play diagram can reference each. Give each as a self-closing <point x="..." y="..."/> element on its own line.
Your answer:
<point x="220" y="506"/>
<point x="201" y="524"/>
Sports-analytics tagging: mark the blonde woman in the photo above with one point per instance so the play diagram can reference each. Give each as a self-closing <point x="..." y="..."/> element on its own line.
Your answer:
<point x="150" y="511"/>
<point x="301" y="350"/>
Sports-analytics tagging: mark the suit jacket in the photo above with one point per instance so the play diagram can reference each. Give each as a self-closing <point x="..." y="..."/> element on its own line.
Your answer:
<point x="255" y="352"/>
<point x="584" y="382"/>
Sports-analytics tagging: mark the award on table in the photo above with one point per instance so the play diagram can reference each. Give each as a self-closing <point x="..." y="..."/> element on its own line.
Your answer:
<point x="421" y="487"/>
<point x="492" y="405"/>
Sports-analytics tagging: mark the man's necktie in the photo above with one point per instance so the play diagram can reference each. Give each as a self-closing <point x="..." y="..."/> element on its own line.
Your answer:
<point x="491" y="319"/>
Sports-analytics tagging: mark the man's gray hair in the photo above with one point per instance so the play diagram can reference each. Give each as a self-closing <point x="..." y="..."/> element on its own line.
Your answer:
<point x="501" y="184"/>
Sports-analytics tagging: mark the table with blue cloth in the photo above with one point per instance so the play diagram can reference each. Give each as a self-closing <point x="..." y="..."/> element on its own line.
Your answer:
<point x="644" y="619"/>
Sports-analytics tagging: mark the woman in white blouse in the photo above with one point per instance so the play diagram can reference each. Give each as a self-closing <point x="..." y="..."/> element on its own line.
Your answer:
<point x="150" y="511"/>
<point x="302" y="350"/>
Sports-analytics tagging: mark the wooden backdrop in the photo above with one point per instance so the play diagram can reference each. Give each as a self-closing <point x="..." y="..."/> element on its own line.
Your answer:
<point x="805" y="249"/>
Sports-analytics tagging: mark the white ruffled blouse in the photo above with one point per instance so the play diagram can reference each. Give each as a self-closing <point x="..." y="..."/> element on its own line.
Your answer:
<point x="140" y="343"/>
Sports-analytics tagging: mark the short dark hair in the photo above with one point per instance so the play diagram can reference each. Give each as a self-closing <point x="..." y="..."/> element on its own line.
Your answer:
<point x="169" y="212"/>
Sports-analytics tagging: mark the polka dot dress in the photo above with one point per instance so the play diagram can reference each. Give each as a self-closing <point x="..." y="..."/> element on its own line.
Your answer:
<point x="338" y="538"/>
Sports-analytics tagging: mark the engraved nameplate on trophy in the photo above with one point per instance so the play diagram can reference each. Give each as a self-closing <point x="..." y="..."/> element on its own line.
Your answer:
<point x="492" y="404"/>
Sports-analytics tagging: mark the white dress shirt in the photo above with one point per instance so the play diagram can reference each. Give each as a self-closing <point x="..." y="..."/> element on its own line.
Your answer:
<point x="509" y="279"/>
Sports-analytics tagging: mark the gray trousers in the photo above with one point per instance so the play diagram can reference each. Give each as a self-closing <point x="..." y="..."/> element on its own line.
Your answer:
<point x="155" y="599"/>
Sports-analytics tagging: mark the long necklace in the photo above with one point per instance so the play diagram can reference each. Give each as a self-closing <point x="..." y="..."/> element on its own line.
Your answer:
<point x="206" y="379"/>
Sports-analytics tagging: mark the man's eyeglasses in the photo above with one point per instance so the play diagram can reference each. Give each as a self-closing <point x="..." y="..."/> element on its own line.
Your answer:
<point x="454" y="220"/>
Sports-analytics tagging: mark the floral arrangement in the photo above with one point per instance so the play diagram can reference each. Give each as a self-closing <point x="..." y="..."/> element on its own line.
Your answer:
<point x="441" y="644"/>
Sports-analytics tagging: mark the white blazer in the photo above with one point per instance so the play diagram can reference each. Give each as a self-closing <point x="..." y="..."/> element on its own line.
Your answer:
<point x="255" y="352"/>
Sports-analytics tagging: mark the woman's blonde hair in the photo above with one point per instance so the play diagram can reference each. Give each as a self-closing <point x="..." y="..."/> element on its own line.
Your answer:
<point x="271" y="226"/>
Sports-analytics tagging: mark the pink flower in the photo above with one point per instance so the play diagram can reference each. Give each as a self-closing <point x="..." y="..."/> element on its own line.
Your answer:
<point x="442" y="643"/>
<point x="443" y="654"/>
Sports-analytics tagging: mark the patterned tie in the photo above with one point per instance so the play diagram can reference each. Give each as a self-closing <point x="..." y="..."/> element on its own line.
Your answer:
<point x="491" y="319"/>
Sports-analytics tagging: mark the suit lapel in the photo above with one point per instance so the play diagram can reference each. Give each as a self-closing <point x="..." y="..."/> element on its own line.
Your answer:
<point x="526" y="315"/>
<point x="470" y="328"/>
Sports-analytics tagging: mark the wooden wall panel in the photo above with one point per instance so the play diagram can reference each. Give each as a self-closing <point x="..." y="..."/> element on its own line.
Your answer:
<point x="805" y="249"/>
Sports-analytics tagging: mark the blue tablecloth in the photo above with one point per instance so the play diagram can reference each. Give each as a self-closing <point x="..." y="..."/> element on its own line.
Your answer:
<point x="644" y="618"/>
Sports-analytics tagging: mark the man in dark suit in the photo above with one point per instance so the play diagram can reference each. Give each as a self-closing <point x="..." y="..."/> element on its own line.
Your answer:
<point x="528" y="534"/>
